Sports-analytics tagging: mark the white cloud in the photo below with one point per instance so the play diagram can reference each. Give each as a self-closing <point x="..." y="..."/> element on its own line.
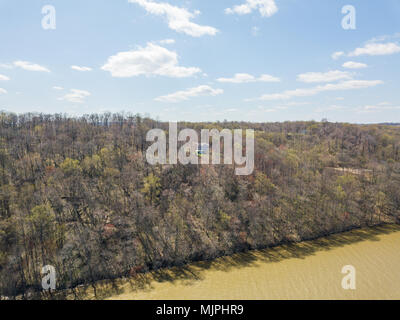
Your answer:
<point x="385" y="37"/>
<point x="351" y="84"/>
<point x="371" y="107"/>
<point x="329" y="76"/>
<point x="291" y="104"/>
<point x="58" y="88"/>
<point x="344" y="85"/>
<point x="30" y="66"/>
<point x="167" y="41"/>
<point x="329" y="108"/>
<point x="6" y="66"/>
<point x="4" y="78"/>
<point x="179" y="19"/>
<point x="246" y="78"/>
<point x="268" y="78"/>
<point x="78" y="68"/>
<point x="151" y="60"/>
<point x="76" y="96"/>
<point x="354" y="65"/>
<point x="376" y="49"/>
<point x="268" y="109"/>
<point x="267" y="8"/>
<point x="189" y="93"/>
<point x="3" y="91"/>
<point x="336" y="55"/>
<point x="376" y="108"/>
<point x="238" y="78"/>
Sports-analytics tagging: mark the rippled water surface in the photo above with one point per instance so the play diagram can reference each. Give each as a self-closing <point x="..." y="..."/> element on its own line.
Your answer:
<point x="309" y="270"/>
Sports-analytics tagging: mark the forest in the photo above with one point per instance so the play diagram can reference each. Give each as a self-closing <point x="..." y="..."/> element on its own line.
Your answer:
<point x="77" y="193"/>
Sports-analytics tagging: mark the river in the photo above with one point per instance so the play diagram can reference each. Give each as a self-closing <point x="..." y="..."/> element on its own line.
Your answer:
<point x="307" y="270"/>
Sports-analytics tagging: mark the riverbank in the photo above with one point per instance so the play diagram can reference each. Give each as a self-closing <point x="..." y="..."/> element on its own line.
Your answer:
<point x="306" y="270"/>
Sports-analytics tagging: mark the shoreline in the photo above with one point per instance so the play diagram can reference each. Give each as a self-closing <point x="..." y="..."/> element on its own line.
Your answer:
<point x="193" y="272"/>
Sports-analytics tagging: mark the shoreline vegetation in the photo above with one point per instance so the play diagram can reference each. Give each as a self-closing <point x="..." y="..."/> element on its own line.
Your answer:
<point x="78" y="194"/>
<point x="188" y="275"/>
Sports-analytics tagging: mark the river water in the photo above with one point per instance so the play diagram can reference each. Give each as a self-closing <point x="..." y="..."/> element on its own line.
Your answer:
<point x="308" y="270"/>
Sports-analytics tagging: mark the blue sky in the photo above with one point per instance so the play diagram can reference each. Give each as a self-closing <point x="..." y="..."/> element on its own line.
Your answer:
<point x="203" y="60"/>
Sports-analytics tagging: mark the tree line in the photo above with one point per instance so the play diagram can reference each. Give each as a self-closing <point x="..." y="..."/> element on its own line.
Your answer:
<point x="77" y="193"/>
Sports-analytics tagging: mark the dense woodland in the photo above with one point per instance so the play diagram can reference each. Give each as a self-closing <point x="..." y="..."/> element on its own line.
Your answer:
<point x="78" y="194"/>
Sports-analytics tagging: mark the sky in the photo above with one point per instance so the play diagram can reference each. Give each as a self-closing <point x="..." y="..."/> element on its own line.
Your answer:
<point x="203" y="60"/>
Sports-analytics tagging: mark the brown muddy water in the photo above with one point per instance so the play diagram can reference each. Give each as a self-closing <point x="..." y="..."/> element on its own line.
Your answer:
<point x="307" y="270"/>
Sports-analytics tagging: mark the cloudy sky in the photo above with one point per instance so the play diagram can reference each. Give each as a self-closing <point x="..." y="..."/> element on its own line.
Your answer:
<point x="202" y="60"/>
